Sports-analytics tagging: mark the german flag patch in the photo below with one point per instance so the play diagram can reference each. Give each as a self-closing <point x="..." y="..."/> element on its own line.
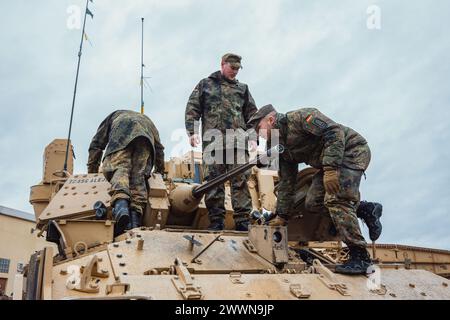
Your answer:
<point x="316" y="122"/>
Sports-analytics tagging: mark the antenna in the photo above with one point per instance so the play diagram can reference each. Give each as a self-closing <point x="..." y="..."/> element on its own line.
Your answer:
<point x="142" y="68"/>
<point x="76" y="81"/>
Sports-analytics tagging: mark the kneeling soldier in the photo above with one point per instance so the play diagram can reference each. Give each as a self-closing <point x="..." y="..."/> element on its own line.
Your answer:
<point x="342" y="155"/>
<point x="132" y="148"/>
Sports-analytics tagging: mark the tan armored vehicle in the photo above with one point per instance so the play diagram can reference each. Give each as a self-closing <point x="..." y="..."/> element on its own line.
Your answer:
<point x="174" y="257"/>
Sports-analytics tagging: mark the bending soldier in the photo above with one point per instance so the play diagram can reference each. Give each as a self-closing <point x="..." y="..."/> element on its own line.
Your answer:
<point x="132" y="147"/>
<point x="222" y="103"/>
<point x="342" y="155"/>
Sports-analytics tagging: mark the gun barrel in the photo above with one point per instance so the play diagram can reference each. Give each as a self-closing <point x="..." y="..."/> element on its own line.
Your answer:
<point x="200" y="190"/>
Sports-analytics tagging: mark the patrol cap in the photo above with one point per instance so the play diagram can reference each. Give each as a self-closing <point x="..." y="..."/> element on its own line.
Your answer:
<point x="233" y="59"/>
<point x="260" y="114"/>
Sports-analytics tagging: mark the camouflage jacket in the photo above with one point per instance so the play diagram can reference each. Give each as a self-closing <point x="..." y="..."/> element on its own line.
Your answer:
<point x="312" y="138"/>
<point x="220" y="103"/>
<point x="117" y="131"/>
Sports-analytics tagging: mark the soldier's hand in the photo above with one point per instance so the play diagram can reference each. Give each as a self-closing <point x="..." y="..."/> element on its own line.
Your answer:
<point x="331" y="180"/>
<point x="252" y="145"/>
<point x="194" y="140"/>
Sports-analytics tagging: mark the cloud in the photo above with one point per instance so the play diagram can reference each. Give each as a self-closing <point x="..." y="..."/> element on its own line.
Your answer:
<point x="388" y="84"/>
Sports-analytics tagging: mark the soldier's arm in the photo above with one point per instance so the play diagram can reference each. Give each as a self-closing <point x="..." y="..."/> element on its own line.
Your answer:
<point x="249" y="107"/>
<point x="249" y="110"/>
<point x="159" y="156"/>
<point x="333" y="136"/>
<point x="193" y="110"/>
<point x="98" y="144"/>
<point x="286" y="189"/>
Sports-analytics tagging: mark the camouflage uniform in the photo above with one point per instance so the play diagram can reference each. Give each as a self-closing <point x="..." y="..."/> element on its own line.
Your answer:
<point x="240" y="195"/>
<point x="312" y="138"/>
<point x="132" y="146"/>
<point x="222" y="104"/>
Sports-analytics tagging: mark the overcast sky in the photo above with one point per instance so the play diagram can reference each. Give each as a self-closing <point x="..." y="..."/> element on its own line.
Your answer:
<point x="390" y="84"/>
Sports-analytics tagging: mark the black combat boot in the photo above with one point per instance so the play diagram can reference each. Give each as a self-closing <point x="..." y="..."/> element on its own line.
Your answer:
<point x="121" y="216"/>
<point x="242" y="225"/>
<point x="358" y="262"/>
<point x="216" y="225"/>
<point x="135" y="219"/>
<point x="371" y="212"/>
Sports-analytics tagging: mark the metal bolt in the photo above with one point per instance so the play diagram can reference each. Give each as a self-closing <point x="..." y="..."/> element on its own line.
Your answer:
<point x="140" y="245"/>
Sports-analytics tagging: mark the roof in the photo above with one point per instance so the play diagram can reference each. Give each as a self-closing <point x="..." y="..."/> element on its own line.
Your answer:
<point x="17" y="214"/>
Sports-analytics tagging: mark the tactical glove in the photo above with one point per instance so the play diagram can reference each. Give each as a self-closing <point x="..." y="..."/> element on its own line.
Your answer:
<point x="331" y="180"/>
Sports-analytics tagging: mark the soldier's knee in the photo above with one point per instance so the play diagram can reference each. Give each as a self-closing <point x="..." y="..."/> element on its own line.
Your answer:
<point x="331" y="201"/>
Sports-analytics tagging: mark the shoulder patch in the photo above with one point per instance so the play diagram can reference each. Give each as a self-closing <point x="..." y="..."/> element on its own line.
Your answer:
<point x="310" y="119"/>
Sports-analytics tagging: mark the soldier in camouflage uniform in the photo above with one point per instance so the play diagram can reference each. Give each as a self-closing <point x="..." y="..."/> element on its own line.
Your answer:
<point x="222" y="103"/>
<point x="341" y="154"/>
<point x="132" y="147"/>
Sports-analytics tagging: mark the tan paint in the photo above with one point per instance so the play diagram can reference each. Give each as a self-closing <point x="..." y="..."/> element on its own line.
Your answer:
<point x="172" y="257"/>
<point x="17" y="243"/>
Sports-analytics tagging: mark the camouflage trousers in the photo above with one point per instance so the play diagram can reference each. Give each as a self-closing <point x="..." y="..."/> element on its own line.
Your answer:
<point x="341" y="206"/>
<point x="240" y="195"/>
<point x="127" y="171"/>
